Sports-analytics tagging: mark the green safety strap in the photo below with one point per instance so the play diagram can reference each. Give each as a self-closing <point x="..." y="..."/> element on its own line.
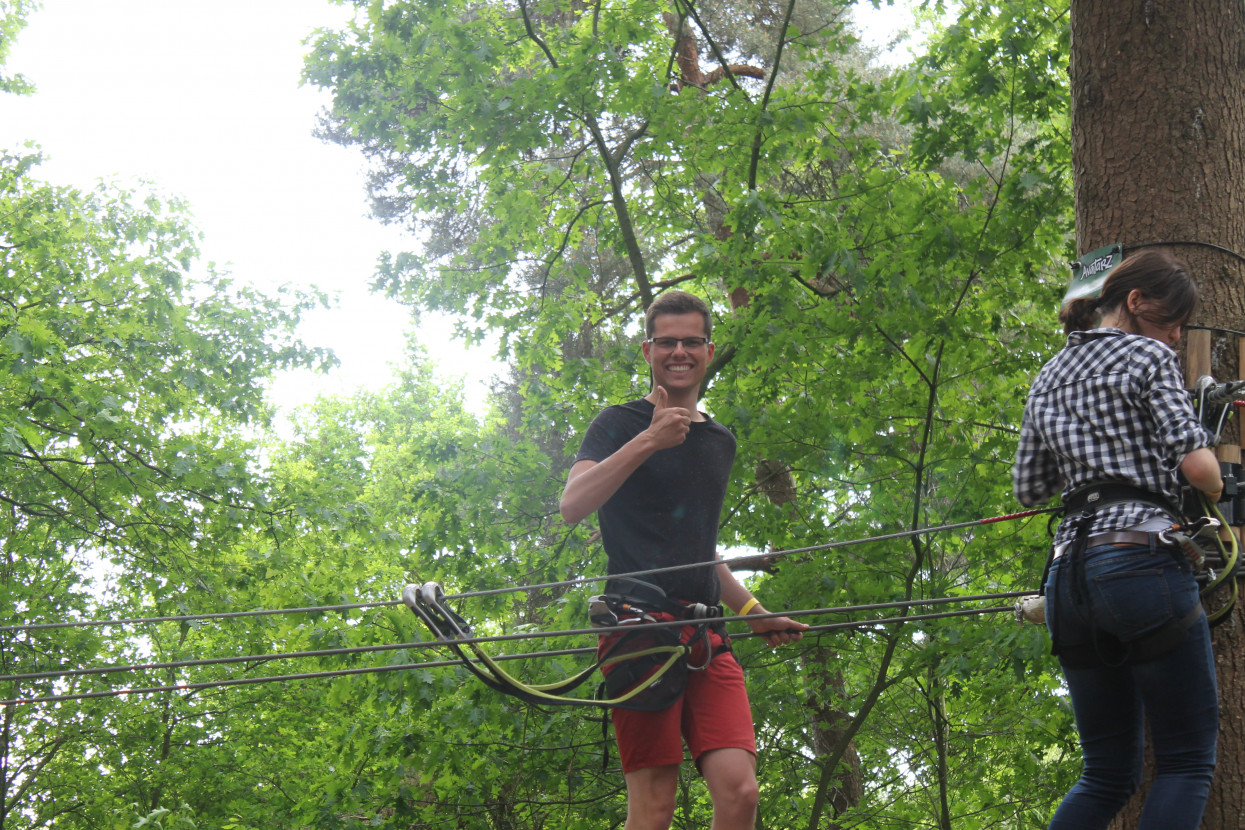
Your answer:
<point x="1231" y="556"/>
<point x="428" y="602"/>
<point x="521" y="689"/>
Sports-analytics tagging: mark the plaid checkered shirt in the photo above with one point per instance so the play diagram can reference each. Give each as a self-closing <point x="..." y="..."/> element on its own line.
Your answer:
<point x="1111" y="406"/>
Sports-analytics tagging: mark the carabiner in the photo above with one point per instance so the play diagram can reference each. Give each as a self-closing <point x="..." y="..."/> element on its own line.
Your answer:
<point x="428" y="601"/>
<point x="600" y="615"/>
<point x="1185" y="544"/>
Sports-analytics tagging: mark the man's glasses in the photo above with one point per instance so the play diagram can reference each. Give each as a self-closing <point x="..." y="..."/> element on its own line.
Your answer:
<point x="669" y="344"/>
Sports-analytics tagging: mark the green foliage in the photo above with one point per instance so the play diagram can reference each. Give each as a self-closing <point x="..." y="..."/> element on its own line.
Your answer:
<point x="119" y="370"/>
<point x="13" y="15"/>
<point x="162" y="819"/>
<point x="128" y="385"/>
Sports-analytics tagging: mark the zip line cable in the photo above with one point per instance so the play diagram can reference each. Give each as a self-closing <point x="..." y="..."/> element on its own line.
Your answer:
<point x="457" y="641"/>
<point x="500" y="638"/>
<point x="213" y="661"/>
<point x="741" y="561"/>
<point x="1214" y="328"/>
<point x="287" y="678"/>
<point x="222" y="615"/>
<point x="1192" y="243"/>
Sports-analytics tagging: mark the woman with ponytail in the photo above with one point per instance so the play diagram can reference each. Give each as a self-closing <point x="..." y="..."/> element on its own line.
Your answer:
<point x="1110" y="416"/>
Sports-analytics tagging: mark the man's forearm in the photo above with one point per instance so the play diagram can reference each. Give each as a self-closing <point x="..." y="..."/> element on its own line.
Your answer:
<point x="590" y="484"/>
<point x="734" y="594"/>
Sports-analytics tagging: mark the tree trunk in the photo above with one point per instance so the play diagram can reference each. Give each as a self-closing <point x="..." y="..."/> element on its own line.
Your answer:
<point x="1158" y="148"/>
<point x="830" y="722"/>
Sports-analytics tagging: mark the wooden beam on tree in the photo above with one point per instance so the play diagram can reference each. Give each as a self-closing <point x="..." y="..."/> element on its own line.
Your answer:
<point x="1197" y="356"/>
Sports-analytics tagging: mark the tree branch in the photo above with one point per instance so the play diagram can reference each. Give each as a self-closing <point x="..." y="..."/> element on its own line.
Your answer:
<point x="612" y="161"/>
<point x="754" y="162"/>
<point x="531" y="33"/>
<point x="904" y="354"/>
<point x="630" y="139"/>
<point x="566" y="236"/>
<point x="729" y="71"/>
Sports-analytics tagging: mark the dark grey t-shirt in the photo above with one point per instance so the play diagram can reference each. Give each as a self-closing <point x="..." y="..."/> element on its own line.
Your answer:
<point x="667" y="511"/>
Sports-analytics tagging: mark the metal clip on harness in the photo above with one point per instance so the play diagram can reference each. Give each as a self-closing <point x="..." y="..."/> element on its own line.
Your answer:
<point x="1182" y="536"/>
<point x="1230" y="555"/>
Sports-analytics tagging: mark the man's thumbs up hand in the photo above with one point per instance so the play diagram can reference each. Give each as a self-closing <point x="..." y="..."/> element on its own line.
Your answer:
<point x="670" y="423"/>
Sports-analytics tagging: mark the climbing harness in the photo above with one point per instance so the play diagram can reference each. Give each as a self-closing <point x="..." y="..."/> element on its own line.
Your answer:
<point x="634" y="601"/>
<point x="1179" y="539"/>
<point x="645" y="666"/>
<point x="1080" y="507"/>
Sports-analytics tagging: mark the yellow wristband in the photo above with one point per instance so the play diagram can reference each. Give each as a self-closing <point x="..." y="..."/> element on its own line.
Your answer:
<point x="743" y="612"/>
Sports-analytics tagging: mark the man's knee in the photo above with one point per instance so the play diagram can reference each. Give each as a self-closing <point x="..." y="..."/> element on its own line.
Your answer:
<point x="738" y="797"/>
<point x="649" y="813"/>
<point x="651" y="794"/>
<point x="731" y="776"/>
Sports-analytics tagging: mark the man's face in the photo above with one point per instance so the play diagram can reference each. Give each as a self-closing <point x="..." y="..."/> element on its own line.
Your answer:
<point x="680" y="368"/>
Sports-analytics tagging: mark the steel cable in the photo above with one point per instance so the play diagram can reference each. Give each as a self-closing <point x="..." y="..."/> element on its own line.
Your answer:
<point x="496" y="638"/>
<point x="286" y="678"/>
<point x="743" y="561"/>
<point x="740" y="562"/>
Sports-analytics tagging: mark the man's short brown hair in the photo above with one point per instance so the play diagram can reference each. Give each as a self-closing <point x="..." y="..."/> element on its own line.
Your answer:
<point x="677" y="302"/>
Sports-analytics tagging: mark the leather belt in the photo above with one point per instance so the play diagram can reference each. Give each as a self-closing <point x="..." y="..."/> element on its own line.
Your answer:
<point x="1118" y="537"/>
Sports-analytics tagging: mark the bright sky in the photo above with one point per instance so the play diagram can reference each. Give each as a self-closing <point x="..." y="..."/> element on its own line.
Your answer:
<point x="202" y="98"/>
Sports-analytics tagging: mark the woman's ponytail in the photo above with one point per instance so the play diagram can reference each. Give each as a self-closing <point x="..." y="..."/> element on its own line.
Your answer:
<point x="1079" y="315"/>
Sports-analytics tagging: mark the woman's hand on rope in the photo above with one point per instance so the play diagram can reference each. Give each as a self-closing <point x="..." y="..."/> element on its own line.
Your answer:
<point x="777" y="631"/>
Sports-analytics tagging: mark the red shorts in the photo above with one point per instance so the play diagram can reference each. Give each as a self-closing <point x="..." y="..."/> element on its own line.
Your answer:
<point x="713" y="713"/>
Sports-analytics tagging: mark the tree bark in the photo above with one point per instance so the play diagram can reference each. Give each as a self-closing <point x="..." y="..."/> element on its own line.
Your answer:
<point x="1158" y="149"/>
<point x="830" y="726"/>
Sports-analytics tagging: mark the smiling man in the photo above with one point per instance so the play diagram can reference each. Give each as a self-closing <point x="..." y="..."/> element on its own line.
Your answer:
<point x="655" y="470"/>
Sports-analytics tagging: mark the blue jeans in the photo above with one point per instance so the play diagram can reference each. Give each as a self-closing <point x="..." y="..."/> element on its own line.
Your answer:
<point x="1131" y="591"/>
